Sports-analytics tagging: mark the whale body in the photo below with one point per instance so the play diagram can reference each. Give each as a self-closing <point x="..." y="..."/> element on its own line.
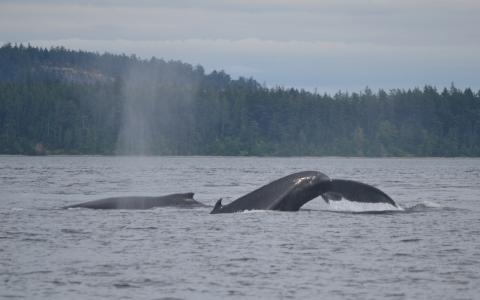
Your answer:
<point x="140" y="202"/>
<point x="291" y="192"/>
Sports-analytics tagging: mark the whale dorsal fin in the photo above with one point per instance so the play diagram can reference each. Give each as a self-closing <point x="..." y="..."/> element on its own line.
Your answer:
<point x="217" y="207"/>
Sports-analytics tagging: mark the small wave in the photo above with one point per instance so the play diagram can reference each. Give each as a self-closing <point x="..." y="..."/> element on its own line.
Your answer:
<point x="425" y="206"/>
<point x="254" y="211"/>
<point x="414" y="240"/>
<point x="221" y="185"/>
<point x="34" y="240"/>
<point x="431" y="204"/>
<point x="11" y="296"/>
<point x="401" y="254"/>
<point x="37" y="272"/>
<point x="142" y="228"/>
<point x="73" y="208"/>
<point x="73" y="231"/>
<point x="242" y="259"/>
<point x="124" y="285"/>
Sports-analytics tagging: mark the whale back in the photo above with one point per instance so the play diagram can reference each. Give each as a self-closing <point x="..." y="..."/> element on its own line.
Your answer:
<point x="140" y="202"/>
<point x="355" y="191"/>
<point x="288" y="193"/>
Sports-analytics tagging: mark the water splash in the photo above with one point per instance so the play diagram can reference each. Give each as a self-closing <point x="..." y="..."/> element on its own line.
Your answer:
<point x="431" y="204"/>
<point x="352" y="206"/>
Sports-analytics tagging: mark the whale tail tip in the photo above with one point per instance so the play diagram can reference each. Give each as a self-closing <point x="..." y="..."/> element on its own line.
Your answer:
<point x="217" y="207"/>
<point x="355" y="191"/>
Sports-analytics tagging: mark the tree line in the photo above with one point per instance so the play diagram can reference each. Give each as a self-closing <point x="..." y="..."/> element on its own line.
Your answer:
<point x="59" y="101"/>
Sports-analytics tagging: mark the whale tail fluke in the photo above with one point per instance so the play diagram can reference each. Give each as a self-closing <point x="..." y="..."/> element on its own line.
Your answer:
<point x="355" y="191"/>
<point x="217" y="207"/>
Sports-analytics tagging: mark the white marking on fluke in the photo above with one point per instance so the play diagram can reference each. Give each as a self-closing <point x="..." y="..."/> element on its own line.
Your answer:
<point x="302" y="179"/>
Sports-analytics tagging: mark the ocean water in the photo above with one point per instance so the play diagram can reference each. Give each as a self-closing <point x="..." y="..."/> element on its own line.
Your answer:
<point x="429" y="250"/>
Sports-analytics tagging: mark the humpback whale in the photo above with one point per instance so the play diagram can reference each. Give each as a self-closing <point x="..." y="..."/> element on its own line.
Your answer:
<point x="291" y="192"/>
<point x="139" y="202"/>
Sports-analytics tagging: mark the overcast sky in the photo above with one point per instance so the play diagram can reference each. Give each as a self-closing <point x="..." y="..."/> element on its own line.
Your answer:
<point x="329" y="45"/>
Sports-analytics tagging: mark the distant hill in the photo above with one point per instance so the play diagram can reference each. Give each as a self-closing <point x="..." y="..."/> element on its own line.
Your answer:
<point x="56" y="101"/>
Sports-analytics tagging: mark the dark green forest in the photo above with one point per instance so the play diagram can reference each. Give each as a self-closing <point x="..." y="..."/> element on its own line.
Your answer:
<point x="59" y="101"/>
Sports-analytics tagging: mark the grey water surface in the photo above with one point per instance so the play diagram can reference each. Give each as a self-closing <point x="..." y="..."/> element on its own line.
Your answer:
<point x="429" y="250"/>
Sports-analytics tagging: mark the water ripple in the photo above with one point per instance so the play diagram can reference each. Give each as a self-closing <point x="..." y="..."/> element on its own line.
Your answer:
<point x="427" y="251"/>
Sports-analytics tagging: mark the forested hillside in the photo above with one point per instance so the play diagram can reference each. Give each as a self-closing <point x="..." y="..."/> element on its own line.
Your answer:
<point x="61" y="101"/>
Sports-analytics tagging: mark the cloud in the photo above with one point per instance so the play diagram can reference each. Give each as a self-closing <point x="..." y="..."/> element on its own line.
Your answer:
<point x="393" y="22"/>
<point x="301" y="43"/>
<point x="303" y="63"/>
